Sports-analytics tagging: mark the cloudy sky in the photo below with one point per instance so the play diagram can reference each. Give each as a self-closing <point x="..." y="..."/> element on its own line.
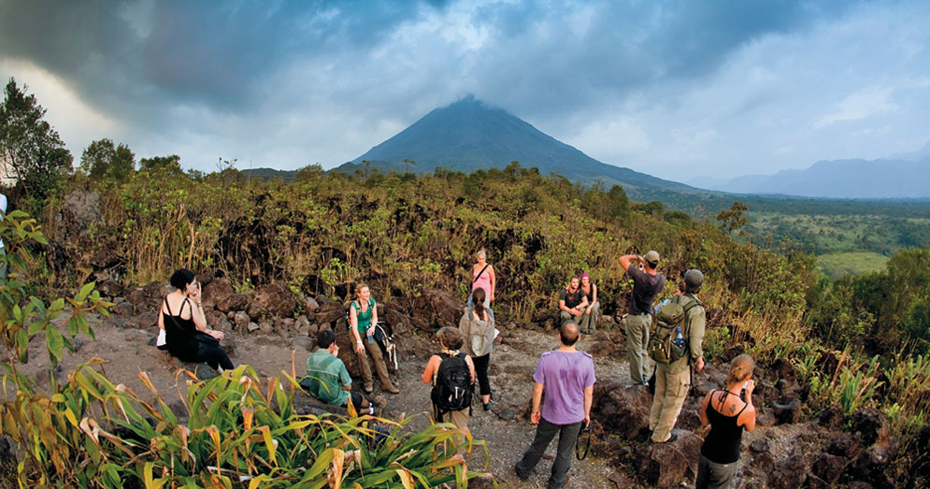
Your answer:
<point x="677" y="89"/>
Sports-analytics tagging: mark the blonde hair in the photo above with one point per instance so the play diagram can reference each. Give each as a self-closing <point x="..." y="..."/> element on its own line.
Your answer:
<point x="741" y="368"/>
<point x="359" y="287"/>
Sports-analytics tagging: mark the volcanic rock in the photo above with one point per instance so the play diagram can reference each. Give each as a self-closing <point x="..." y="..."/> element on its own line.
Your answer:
<point x="272" y="300"/>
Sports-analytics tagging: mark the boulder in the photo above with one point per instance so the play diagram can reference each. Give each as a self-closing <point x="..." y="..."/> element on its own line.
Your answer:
<point x="241" y="320"/>
<point x="124" y="308"/>
<point x="829" y="467"/>
<point x="78" y="211"/>
<point x="302" y="325"/>
<point x="439" y="307"/>
<point x="872" y="465"/>
<point x="789" y="473"/>
<point x="148" y="319"/>
<point x="623" y="411"/>
<point x="266" y="326"/>
<point x="788" y="413"/>
<point x="668" y="464"/>
<point x="309" y="304"/>
<point x="872" y="424"/>
<point x="147" y="297"/>
<point x="831" y="418"/>
<point x="599" y="345"/>
<point x="272" y="300"/>
<point x="844" y="445"/>
<point x="216" y="291"/>
<point x="110" y="287"/>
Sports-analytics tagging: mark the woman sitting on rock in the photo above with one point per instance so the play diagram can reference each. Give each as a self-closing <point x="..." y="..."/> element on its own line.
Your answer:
<point x="727" y="416"/>
<point x="363" y="317"/>
<point x="186" y="334"/>
<point x="477" y="326"/>
<point x="588" y="321"/>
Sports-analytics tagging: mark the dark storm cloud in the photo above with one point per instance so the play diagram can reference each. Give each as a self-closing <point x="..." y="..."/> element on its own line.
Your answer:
<point x="198" y="53"/>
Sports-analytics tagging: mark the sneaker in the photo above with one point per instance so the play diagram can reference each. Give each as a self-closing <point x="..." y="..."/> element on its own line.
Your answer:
<point x="487" y="406"/>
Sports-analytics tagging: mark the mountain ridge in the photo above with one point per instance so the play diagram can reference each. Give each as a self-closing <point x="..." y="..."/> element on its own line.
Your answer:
<point x="468" y="135"/>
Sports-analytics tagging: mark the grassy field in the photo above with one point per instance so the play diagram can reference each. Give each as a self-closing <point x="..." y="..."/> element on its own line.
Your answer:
<point x="837" y="265"/>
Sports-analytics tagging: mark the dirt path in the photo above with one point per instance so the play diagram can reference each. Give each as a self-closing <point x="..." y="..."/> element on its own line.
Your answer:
<point x="506" y="430"/>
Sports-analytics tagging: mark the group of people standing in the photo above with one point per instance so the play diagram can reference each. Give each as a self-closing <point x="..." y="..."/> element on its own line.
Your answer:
<point x="564" y="378"/>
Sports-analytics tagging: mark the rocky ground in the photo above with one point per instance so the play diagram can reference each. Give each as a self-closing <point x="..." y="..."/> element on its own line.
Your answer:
<point x="787" y="450"/>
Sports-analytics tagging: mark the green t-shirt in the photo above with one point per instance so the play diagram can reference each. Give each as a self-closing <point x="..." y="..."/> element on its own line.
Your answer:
<point x="327" y="374"/>
<point x="364" y="319"/>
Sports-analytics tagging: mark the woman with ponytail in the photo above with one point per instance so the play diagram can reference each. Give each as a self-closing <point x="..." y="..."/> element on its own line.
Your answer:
<point x="727" y="413"/>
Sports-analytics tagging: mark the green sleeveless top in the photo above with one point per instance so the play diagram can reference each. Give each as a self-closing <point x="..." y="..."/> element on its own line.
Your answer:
<point x="364" y="318"/>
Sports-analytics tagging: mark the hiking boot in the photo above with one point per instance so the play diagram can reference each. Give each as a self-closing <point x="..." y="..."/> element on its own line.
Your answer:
<point x="671" y="438"/>
<point x="378" y="404"/>
<point x="391" y="389"/>
<point x="369" y="388"/>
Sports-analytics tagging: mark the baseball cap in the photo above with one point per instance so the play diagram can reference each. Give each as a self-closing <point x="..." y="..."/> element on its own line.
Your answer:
<point x="652" y="257"/>
<point x="694" y="278"/>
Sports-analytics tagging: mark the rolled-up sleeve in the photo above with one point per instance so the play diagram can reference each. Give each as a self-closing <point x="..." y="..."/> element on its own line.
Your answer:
<point x="698" y="318"/>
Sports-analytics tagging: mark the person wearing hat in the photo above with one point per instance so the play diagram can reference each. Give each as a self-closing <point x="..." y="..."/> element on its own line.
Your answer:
<point x="647" y="283"/>
<point x="673" y="380"/>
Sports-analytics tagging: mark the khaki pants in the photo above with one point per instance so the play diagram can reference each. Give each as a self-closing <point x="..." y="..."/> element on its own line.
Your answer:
<point x="671" y="390"/>
<point x="458" y="418"/>
<point x="588" y="322"/>
<point x="566" y="317"/>
<point x="637" y="337"/>
<point x="374" y="351"/>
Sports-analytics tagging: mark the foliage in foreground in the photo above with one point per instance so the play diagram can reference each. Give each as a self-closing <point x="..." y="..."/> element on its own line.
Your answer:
<point x="91" y="433"/>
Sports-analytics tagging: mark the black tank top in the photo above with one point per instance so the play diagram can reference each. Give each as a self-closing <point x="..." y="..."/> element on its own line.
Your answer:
<point x="180" y="334"/>
<point x="722" y="444"/>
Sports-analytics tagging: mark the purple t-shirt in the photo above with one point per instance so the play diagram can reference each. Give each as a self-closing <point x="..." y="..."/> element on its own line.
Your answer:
<point x="565" y="375"/>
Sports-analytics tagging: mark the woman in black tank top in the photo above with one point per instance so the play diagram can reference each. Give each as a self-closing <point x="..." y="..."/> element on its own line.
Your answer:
<point x="727" y="416"/>
<point x="188" y="338"/>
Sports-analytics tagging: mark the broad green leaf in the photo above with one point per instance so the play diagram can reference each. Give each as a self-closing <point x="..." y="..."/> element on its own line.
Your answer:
<point x="54" y="341"/>
<point x="85" y="290"/>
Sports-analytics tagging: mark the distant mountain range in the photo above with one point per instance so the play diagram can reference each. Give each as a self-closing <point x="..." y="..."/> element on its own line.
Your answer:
<point x="838" y="179"/>
<point x="469" y="134"/>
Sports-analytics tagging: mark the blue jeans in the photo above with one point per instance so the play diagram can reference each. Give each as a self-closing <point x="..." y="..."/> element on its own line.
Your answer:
<point x="545" y="432"/>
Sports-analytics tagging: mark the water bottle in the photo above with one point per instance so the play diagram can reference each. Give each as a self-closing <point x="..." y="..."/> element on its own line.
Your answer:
<point x="679" y="340"/>
<point x="371" y="339"/>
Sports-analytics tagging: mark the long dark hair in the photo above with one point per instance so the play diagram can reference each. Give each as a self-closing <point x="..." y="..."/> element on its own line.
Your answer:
<point x="477" y="300"/>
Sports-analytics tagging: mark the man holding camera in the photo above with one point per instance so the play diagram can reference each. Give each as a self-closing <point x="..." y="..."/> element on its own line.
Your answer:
<point x="647" y="283"/>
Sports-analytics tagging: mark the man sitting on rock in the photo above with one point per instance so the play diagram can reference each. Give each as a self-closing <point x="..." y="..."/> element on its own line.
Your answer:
<point x="572" y="302"/>
<point x="328" y="380"/>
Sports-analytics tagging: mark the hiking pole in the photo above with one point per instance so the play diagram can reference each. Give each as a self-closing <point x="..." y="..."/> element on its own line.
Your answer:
<point x="587" y="445"/>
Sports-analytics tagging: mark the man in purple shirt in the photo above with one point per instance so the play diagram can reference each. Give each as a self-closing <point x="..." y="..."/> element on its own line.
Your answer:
<point x="567" y="376"/>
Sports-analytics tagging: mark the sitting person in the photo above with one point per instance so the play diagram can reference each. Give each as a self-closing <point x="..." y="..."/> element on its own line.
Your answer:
<point x="452" y="374"/>
<point x="186" y="335"/>
<point x="572" y="302"/>
<point x="328" y="380"/>
<point x="363" y="317"/>
<point x="588" y="321"/>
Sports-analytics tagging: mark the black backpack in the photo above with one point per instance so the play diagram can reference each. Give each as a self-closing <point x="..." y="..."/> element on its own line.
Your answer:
<point x="453" y="390"/>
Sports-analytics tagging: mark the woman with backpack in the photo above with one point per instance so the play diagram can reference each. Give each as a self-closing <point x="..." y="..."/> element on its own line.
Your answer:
<point x="183" y="327"/>
<point x="452" y="374"/>
<point x="363" y="317"/>
<point x="728" y="415"/>
<point x="477" y="326"/>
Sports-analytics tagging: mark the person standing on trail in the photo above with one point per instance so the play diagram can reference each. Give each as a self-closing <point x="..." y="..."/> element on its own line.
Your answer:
<point x="363" y="317"/>
<point x="483" y="277"/>
<point x="572" y="302"/>
<point x="728" y="415"/>
<point x="566" y="375"/>
<point x="673" y="380"/>
<point x="452" y="374"/>
<point x="647" y="283"/>
<point x="328" y="380"/>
